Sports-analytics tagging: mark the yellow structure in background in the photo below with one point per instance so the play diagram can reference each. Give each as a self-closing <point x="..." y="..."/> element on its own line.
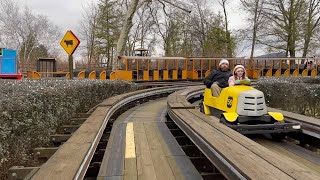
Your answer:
<point x="93" y="75"/>
<point x="123" y="75"/>
<point x="103" y="75"/>
<point x="140" y="68"/>
<point x="33" y="75"/>
<point x="82" y="75"/>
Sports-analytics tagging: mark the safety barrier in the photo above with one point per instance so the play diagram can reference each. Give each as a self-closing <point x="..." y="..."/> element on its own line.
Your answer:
<point x="179" y="68"/>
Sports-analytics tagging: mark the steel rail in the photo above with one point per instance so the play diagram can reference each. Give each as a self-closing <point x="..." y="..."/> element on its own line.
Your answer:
<point x="228" y="170"/>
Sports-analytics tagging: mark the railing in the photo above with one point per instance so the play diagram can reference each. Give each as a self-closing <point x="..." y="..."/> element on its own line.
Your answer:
<point x="179" y="68"/>
<point x="256" y="67"/>
<point x="103" y="75"/>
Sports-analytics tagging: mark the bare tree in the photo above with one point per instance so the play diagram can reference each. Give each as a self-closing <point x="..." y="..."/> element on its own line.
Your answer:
<point x="88" y="28"/>
<point x="141" y="32"/>
<point x="282" y="31"/>
<point x="125" y="30"/>
<point x="23" y="30"/>
<point x="146" y="22"/>
<point x="223" y="3"/>
<point x="254" y="8"/>
<point x="9" y="31"/>
<point x="132" y="8"/>
<point x="312" y="22"/>
<point x="200" y="22"/>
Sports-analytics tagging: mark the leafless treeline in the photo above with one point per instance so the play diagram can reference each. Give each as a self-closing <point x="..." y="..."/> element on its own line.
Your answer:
<point x="175" y="28"/>
<point x="290" y="26"/>
<point x="22" y="29"/>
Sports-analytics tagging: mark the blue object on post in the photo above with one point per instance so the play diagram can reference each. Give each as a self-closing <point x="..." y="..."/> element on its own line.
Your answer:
<point x="8" y="64"/>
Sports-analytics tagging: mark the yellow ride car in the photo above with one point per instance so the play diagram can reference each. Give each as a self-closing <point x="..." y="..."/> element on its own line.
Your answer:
<point x="243" y="109"/>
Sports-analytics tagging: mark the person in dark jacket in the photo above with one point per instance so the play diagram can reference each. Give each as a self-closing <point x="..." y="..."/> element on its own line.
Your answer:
<point x="218" y="79"/>
<point x="308" y="66"/>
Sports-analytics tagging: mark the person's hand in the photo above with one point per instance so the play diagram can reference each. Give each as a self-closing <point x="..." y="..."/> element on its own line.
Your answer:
<point x="246" y="82"/>
<point x="217" y="83"/>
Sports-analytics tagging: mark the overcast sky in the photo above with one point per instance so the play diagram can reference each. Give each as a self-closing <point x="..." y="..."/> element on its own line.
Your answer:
<point x="67" y="14"/>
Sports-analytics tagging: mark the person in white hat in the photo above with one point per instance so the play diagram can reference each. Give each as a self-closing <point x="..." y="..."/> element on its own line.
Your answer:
<point x="218" y="79"/>
<point x="239" y="74"/>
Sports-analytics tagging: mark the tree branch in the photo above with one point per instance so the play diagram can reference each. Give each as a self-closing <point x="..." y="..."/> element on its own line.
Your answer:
<point x="175" y="5"/>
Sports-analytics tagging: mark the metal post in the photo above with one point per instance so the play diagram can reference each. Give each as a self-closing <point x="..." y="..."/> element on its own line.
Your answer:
<point x="71" y="66"/>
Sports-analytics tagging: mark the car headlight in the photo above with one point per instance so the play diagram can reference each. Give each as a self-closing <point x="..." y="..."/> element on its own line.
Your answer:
<point x="296" y="127"/>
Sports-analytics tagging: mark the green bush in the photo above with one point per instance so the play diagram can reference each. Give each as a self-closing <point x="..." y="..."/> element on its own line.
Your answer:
<point x="32" y="110"/>
<point x="296" y="94"/>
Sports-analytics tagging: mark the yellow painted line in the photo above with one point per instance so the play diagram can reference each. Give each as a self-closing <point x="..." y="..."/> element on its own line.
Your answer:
<point x="130" y="146"/>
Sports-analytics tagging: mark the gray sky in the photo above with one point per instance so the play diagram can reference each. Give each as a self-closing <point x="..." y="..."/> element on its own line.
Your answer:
<point x="67" y="14"/>
<point x="236" y="16"/>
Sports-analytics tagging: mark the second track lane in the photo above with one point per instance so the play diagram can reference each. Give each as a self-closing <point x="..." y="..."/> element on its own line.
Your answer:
<point x="144" y="148"/>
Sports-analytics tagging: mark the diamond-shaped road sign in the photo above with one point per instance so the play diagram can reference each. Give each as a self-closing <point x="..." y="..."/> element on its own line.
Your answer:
<point x="70" y="42"/>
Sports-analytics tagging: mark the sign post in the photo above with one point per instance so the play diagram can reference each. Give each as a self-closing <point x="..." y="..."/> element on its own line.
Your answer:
<point x="70" y="43"/>
<point x="71" y="66"/>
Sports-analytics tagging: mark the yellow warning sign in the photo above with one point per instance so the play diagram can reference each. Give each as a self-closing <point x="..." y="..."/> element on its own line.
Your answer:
<point x="70" y="42"/>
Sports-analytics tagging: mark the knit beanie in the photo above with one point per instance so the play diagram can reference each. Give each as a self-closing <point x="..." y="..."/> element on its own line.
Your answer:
<point x="223" y="61"/>
<point x="239" y="67"/>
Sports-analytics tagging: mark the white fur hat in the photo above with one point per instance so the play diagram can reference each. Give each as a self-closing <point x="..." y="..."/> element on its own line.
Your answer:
<point x="239" y="67"/>
<point x="223" y="61"/>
